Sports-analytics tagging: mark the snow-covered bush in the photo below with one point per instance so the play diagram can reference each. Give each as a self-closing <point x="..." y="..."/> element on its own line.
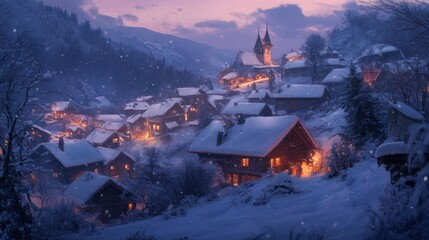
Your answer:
<point x="195" y="178"/>
<point x="58" y="222"/>
<point x="404" y="206"/>
<point x="343" y="156"/>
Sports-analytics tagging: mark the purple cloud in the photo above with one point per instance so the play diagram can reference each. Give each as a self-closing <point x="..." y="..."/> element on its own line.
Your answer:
<point x="216" y="24"/>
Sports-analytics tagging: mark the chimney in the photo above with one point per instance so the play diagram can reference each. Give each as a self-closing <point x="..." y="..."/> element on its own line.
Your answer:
<point x="219" y="138"/>
<point x="61" y="144"/>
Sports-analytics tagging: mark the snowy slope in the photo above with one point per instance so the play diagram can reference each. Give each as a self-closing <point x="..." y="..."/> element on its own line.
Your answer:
<point x="181" y="53"/>
<point x="337" y="208"/>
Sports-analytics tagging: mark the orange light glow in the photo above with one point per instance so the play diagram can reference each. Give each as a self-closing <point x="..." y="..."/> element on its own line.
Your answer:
<point x="245" y="162"/>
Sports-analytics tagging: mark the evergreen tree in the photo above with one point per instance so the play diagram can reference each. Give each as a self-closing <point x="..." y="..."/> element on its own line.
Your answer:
<point x="361" y="107"/>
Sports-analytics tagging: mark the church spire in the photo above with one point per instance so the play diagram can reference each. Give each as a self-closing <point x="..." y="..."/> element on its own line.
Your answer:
<point x="258" y="45"/>
<point x="267" y="39"/>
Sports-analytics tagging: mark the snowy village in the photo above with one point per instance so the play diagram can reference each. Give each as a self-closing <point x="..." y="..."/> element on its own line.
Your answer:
<point x="110" y="130"/>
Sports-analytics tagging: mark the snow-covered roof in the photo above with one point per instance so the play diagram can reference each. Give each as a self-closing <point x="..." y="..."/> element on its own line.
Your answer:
<point x="218" y="92"/>
<point x="75" y="153"/>
<point x="159" y="109"/>
<point x="213" y="98"/>
<point x="391" y="148"/>
<point x="258" y="94"/>
<point x="109" y="118"/>
<point x="175" y="99"/>
<point x="249" y="59"/>
<point x="257" y="136"/>
<point x="143" y="98"/>
<point x="295" y="64"/>
<point x="245" y="108"/>
<point x="337" y="75"/>
<point x="300" y="91"/>
<point x="188" y="91"/>
<point x="138" y="106"/>
<point x="171" y="125"/>
<point x="60" y="106"/>
<point x="74" y="128"/>
<point x="103" y="101"/>
<point x="407" y="111"/>
<point x="336" y="61"/>
<point x="99" y="136"/>
<point x="132" y="119"/>
<point x="86" y="186"/>
<point x="230" y="76"/>
<point x="110" y="154"/>
<point x="114" y="126"/>
<point x="378" y="49"/>
<point x="294" y="54"/>
<point x="41" y="129"/>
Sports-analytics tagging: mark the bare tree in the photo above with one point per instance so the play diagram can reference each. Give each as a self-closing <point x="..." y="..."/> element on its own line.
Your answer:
<point x="152" y="154"/>
<point x="19" y="76"/>
<point x="312" y="51"/>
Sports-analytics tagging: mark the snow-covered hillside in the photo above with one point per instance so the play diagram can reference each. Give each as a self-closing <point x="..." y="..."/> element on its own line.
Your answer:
<point x="335" y="208"/>
<point x="181" y="53"/>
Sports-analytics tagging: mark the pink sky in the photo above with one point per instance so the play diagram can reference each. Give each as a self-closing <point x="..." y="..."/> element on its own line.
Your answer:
<point x="222" y="23"/>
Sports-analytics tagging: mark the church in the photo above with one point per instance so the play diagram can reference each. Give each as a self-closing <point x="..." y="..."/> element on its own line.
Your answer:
<point x="250" y="67"/>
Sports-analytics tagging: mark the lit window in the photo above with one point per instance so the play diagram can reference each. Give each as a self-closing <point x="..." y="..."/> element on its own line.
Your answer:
<point x="275" y="162"/>
<point x="130" y="206"/>
<point x="186" y="117"/>
<point x="115" y="140"/>
<point x="96" y="170"/>
<point x="54" y="174"/>
<point x="112" y="167"/>
<point x="127" y="167"/>
<point x="235" y="179"/>
<point x="245" y="162"/>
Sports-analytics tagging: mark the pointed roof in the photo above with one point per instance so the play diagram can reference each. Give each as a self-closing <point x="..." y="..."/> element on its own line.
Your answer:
<point x="258" y="45"/>
<point x="267" y="39"/>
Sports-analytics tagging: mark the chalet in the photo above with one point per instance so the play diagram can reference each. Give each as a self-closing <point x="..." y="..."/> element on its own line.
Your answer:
<point x="118" y="127"/>
<point x="249" y="150"/>
<point x="246" y="109"/>
<point x="74" y="132"/>
<point x="294" y="56"/>
<point x="63" y="109"/>
<point x="401" y="118"/>
<point x="159" y="127"/>
<point x="136" y="123"/>
<point x="217" y="101"/>
<point x="37" y="135"/>
<point x="104" y="138"/>
<point x="100" y="194"/>
<point x="65" y="161"/>
<point x="116" y="161"/>
<point x="148" y="99"/>
<point x="377" y="54"/>
<point x="295" y="97"/>
<point x="191" y="95"/>
<point x="169" y="111"/>
<point x="296" y="68"/>
<point x="259" y="96"/>
<point x="133" y="108"/>
<point x="336" y="77"/>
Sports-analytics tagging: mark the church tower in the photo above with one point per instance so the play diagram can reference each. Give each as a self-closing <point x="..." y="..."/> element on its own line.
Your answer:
<point x="267" y="45"/>
<point x="258" y="49"/>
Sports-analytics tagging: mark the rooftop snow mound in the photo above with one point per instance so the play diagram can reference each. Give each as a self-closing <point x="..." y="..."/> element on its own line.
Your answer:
<point x="138" y="106"/>
<point x="258" y="94"/>
<point x="60" y="106"/>
<point x="245" y="108"/>
<point x="295" y="64"/>
<point x="300" y="91"/>
<point x="337" y="75"/>
<point x="110" y="153"/>
<point x="379" y="49"/>
<point x="99" y="136"/>
<point x="249" y="59"/>
<point x="407" y="111"/>
<point x="391" y="148"/>
<point x="188" y="91"/>
<point x="159" y="109"/>
<point x="257" y="136"/>
<point x="75" y="153"/>
<point x="109" y="118"/>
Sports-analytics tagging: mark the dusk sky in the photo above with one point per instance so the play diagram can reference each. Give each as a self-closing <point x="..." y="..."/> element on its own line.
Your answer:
<point x="224" y="24"/>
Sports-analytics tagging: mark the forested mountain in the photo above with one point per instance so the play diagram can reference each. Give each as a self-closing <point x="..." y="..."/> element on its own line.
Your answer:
<point x="82" y="61"/>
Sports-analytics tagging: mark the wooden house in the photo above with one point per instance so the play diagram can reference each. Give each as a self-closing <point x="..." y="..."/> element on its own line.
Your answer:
<point x="148" y="99"/>
<point x="246" y="109"/>
<point x="66" y="161"/>
<point x="102" y="118"/>
<point x="295" y="97"/>
<point x="101" y="195"/>
<point x="119" y="127"/>
<point x="377" y="54"/>
<point x="104" y="138"/>
<point x="401" y="118"/>
<point x="162" y="117"/>
<point x="37" y="135"/>
<point x="116" y="161"/>
<point x="191" y="95"/>
<point x="249" y="150"/>
<point x="74" y="132"/>
<point x="136" y="123"/>
<point x="61" y="110"/>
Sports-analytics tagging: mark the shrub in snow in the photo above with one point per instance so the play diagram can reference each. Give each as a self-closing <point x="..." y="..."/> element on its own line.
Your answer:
<point x="404" y="206"/>
<point x="139" y="236"/>
<point x="196" y="179"/>
<point x="183" y="206"/>
<point x="342" y="157"/>
<point x="58" y="222"/>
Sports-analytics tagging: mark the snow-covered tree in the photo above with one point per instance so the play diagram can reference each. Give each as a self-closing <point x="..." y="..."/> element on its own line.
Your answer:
<point x="312" y="51"/>
<point x="362" y="111"/>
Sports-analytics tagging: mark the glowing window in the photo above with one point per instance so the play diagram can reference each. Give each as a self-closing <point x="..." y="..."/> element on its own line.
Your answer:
<point x="245" y="162"/>
<point x="275" y="162"/>
<point x="235" y="179"/>
<point x="112" y="167"/>
<point x="130" y="206"/>
<point x="96" y="170"/>
<point x="127" y="167"/>
<point x="115" y="140"/>
<point x="54" y="174"/>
